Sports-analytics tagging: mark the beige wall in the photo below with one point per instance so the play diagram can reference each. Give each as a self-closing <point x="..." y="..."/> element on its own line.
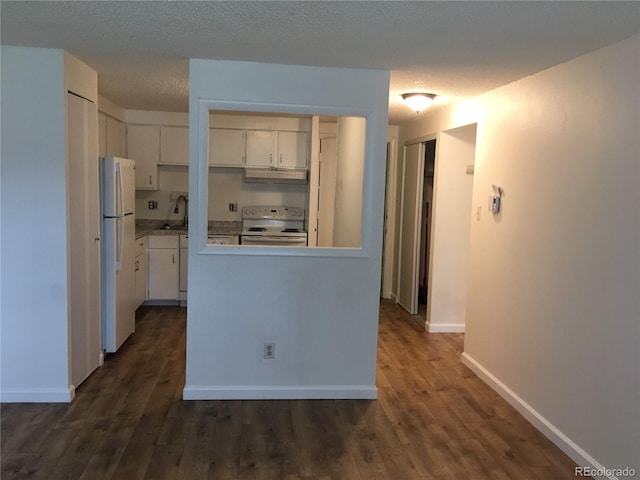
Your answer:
<point x="553" y="318"/>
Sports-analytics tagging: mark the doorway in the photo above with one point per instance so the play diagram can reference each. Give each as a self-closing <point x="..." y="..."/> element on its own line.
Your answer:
<point x="437" y="187"/>
<point x="425" y="228"/>
<point x="415" y="227"/>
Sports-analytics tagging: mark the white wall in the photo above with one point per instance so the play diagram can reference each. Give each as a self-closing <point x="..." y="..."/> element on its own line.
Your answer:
<point x="80" y="79"/>
<point x="553" y="317"/>
<point x="107" y="106"/>
<point x="349" y="178"/>
<point x="34" y="230"/>
<point x="319" y="306"/>
<point x="451" y="216"/>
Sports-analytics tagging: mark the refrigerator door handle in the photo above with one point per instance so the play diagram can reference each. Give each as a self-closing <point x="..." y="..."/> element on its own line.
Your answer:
<point x="120" y="218"/>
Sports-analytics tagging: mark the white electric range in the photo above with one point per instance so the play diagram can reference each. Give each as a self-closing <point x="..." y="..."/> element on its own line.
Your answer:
<point x="273" y="226"/>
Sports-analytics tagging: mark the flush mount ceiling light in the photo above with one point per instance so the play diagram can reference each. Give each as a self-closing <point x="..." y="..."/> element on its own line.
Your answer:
<point x="418" y="101"/>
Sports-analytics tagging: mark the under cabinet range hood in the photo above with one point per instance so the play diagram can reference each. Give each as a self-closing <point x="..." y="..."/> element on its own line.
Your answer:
<point x="275" y="175"/>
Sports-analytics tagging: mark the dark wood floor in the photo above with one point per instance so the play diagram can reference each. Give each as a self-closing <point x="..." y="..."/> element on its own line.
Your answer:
<point x="434" y="419"/>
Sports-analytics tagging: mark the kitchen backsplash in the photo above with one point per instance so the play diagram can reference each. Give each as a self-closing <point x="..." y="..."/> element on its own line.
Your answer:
<point x="225" y="186"/>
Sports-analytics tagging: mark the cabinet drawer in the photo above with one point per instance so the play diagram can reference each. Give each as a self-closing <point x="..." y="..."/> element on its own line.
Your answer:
<point x="141" y="245"/>
<point x="163" y="241"/>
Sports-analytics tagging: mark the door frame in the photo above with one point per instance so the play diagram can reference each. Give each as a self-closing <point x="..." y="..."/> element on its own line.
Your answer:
<point x="413" y="307"/>
<point x="390" y="221"/>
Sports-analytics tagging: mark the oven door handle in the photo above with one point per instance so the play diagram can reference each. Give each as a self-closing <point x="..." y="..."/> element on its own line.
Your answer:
<point x="271" y="240"/>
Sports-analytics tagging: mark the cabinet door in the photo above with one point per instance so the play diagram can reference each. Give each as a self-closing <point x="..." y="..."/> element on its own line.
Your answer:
<point x="226" y="147"/>
<point x="83" y="214"/>
<point x="163" y="274"/>
<point x="141" y="278"/>
<point x="114" y="145"/>
<point x="261" y="148"/>
<point x="292" y="149"/>
<point x="143" y="145"/>
<point x="174" y="145"/>
<point x="184" y="264"/>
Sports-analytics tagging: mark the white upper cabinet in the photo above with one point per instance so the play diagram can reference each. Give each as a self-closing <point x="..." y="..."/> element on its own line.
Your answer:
<point x="261" y="148"/>
<point x="258" y="148"/>
<point x="174" y="145"/>
<point x="226" y="147"/>
<point x="143" y="146"/>
<point x="292" y="150"/>
<point x="112" y="138"/>
<point x="116" y="136"/>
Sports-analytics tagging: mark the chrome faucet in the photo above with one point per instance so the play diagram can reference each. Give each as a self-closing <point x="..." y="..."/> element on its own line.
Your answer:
<point x="176" y="209"/>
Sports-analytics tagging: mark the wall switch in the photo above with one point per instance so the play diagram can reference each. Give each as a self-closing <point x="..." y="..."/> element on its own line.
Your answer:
<point x="152" y="204"/>
<point x="233" y="207"/>
<point x="269" y="351"/>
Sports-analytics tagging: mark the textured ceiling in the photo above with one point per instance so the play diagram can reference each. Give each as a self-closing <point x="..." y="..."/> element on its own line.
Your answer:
<point x="454" y="49"/>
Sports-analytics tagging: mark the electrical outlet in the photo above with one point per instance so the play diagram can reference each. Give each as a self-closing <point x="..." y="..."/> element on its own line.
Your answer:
<point x="478" y="212"/>
<point x="269" y="351"/>
<point x="233" y="207"/>
<point x="152" y="204"/>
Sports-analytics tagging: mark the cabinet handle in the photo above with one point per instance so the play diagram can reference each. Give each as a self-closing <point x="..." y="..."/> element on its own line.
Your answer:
<point x="149" y="179"/>
<point x="97" y="239"/>
<point x="173" y="258"/>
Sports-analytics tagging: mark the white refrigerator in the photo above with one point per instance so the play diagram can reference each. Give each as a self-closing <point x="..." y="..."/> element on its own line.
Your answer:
<point x="117" y="205"/>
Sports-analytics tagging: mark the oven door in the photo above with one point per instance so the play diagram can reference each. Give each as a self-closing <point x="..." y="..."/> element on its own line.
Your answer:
<point x="273" y="241"/>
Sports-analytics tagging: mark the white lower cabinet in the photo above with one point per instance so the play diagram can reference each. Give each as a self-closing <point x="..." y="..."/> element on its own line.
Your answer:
<point x="167" y="269"/>
<point x="184" y="252"/>
<point x="141" y="270"/>
<point x="164" y="265"/>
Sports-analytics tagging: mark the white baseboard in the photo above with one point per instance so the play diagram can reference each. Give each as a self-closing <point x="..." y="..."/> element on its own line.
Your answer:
<point x="323" y="392"/>
<point x="161" y="303"/>
<point x="549" y="430"/>
<point x="445" y="327"/>
<point x="40" y="395"/>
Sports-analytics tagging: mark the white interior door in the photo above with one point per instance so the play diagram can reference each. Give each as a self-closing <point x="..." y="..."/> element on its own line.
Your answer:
<point x="83" y="241"/>
<point x="411" y="211"/>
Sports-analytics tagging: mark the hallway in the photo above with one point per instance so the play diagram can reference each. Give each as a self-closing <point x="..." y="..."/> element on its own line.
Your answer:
<point x="434" y="419"/>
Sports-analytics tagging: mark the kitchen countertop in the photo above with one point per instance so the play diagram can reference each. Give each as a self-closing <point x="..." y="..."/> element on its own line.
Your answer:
<point x="153" y="227"/>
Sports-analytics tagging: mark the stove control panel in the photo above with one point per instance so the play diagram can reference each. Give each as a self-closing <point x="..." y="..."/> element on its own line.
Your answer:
<point x="275" y="213"/>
